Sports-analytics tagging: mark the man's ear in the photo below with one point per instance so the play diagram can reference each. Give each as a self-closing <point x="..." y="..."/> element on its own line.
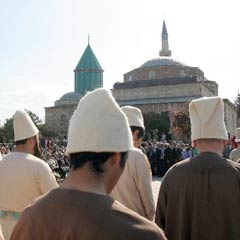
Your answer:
<point x="194" y="143"/>
<point x="115" y="158"/>
<point x="31" y="140"/>
<point x="135" y="135"/>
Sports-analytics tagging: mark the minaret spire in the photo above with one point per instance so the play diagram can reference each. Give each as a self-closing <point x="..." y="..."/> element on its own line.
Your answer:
<point x="165" y="47"/>
<point x="88" y="39"/>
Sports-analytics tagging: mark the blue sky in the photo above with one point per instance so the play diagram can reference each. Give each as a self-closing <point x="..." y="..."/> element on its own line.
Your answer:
<point x="42" y="41"/>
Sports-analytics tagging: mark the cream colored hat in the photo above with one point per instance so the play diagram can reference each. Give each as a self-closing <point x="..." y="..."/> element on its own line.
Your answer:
<point x="99" y="125"/>
<point x="237" y="135"/>
<point x="207" y="118"/>
<point x="23" y="126"/>
<point x="134" y="116"/>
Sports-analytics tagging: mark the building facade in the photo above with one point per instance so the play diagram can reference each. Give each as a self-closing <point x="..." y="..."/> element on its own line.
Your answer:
<point x="160" y="85"/>
<point x="164" y="84"/>
<point x="88" y="75"/>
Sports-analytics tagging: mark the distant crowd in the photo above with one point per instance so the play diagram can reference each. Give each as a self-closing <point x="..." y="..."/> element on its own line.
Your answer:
<point x="161" y="154"/>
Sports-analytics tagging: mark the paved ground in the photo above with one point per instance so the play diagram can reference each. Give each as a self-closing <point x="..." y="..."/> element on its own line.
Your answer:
<point x="156" y="182"/>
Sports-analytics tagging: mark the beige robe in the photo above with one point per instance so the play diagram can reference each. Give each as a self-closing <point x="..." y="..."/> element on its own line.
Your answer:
<point x="65" y="214"/>
<point x="134" y="188"/>
<point x="235" y="154"/>
<point x="1" y="235"/>
<point x="199" y="199"/>
<point x="23" y="178"/>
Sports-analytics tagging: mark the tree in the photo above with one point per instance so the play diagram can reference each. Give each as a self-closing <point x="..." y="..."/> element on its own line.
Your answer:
<point x="181" y="126"/>
<point x="8" y="130"/>
<point x="237" y="104"/>
<point x="159" y="121"/>
<point x="36" y="119"/>
<point x="2" y="135"/>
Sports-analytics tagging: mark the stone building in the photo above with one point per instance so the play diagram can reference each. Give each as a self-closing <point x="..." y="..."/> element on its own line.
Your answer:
<point x="164" y="84"/>
<point x="159" y="85"/>
<point x="88" y="75"/>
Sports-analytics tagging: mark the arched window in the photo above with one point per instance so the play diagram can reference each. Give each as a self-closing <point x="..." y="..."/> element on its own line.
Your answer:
<point x="152" y="75"/>
<point x="130" y="78"/>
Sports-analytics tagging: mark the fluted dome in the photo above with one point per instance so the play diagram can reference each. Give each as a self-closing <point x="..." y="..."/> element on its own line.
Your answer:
<point x="157" y="62"/>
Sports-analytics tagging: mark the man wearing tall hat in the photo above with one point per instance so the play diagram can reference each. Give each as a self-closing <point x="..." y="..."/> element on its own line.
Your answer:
<point x="134" y="187"/>
<point x="199" y="197"/>
<point x="235" y="153"/>
<point x="23" y="176"/>
<point x="99" y="139"/>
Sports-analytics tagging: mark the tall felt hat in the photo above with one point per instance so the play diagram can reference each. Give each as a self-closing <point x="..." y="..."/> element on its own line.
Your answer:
<point x="207" y="118"/>
<point x="23" y="126"/>
<point x="237" y="135"/>
<point x="134" y="116"/>
<point x="99" y="125"/>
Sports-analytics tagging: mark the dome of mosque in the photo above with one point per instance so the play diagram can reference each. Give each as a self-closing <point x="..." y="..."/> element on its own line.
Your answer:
<point x="71" y="96"/>
<point x="157" y="62"/>
<point x="69" y="99"/>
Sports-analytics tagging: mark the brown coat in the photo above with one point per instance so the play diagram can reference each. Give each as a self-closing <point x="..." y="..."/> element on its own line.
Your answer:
<point x="199" y="199"/>
<point x="70" y="214"/>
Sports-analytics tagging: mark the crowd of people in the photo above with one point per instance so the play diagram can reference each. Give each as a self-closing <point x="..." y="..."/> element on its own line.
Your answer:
<point x="103" y="173"/>
<point x="161" y="155"/>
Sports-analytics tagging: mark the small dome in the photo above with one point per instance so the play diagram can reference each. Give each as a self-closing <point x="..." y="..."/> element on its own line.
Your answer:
<point x="71" y="96"/>
<point x="157" y="62"/>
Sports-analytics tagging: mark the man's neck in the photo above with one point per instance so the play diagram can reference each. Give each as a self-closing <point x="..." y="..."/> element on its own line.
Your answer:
<point x="215" y="149"/>
<point x="84" y="180"/>
<point x="23" y="149"/>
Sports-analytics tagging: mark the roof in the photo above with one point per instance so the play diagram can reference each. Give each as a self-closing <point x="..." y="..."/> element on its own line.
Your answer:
<point x="71" y="96"/>
<point x="88" y="60"/>
<point x="157" y="62"/>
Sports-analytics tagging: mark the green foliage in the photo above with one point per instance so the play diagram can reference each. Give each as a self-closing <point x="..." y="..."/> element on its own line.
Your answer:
<point x="8" y="134"/>
<point x="237" y="104"/>
<point x="36" y="119"/>
<point x="45" y="132"/>
<point x="159" y="121"/>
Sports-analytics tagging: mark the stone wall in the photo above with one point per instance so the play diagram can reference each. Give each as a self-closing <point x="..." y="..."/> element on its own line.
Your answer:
<point x="163" y="72"/>
<point x="212" y="86"/>
<point x="160" y="107"/>
<point x="57" y="118"/>
<point x="230" y="116"/>
<point x="167" y="91"/>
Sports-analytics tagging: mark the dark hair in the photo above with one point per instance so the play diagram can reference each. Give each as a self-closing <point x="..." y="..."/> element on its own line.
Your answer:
<point x="141" y="131"/>
<point x="19" y="142"/>
<point x="78" y="160"/>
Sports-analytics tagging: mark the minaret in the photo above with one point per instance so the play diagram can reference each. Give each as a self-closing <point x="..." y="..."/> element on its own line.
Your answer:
<point x="88" y="72"/>
<point x="165" y="52"/>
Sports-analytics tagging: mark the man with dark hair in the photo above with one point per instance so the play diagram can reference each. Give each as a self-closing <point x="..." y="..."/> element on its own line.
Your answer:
<point x="134" y="187"/>
<point x="199" y="197"/>
<point x="24" y="176"/>
<point x="98" y="141"/>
